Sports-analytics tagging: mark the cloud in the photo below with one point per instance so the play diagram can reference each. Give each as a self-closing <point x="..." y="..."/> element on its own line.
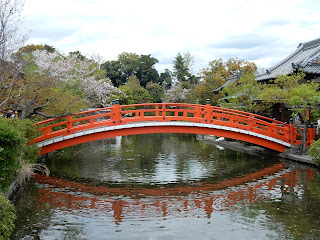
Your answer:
<point x="247" y="41"/>
<point x="208" y="29"/>
<point x="275" y="23"/>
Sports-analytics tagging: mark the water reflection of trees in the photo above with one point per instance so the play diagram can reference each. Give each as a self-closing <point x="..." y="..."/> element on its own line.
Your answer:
<point x="35" y="217"/>
<point x="295" y="213"/>
<point x="143" y="159"/>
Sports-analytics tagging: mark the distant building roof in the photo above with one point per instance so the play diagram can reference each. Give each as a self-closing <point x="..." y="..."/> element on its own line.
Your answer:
<point x="231" y="79"/>
<point x="306" y="57"/>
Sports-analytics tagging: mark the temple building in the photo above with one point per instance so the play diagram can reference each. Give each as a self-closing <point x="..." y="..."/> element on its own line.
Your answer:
<point x="306" y="58"/>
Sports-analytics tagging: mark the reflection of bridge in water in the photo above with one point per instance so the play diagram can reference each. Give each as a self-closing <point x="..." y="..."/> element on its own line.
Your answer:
<point x="121" y="120"/>
<point x="200" y="199"/>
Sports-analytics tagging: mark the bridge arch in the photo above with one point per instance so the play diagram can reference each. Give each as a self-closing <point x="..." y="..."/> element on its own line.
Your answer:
<point x="121" y="120"/>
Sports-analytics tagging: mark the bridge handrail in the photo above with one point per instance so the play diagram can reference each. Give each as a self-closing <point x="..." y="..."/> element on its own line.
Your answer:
<point x="72" y="114"/>
<point x="122" y="114"/>
<point x="227" y="110"/>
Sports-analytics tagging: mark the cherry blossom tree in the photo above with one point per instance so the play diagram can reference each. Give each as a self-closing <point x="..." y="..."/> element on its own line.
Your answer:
<point x="97" y="89"/>
<point x="63" y="84"/>
<point x="176" y="94"/>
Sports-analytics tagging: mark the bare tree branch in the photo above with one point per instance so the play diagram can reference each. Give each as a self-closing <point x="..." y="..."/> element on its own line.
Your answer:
<point x="11" y="39"/>
<point x="51" y="116"/>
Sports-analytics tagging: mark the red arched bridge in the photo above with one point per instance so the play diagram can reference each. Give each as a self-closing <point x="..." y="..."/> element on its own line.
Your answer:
<point x="121" y="120"/>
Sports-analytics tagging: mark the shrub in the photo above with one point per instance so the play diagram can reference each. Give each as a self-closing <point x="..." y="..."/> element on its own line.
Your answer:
<point x="314" y="151"/>
<point x="14" y="148"/>
<point x="14" y="153"/>
<point x="7" y="217"/>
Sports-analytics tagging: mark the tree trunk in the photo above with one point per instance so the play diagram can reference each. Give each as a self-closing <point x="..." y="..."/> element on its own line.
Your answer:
<point x="304" y="134"/>
<point x="24" y="113"/>
<point x="304" y="138"/>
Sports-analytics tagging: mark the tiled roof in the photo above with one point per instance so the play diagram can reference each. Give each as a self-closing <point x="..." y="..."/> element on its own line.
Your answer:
<point x="307" y="57"/>
<point x="313" y="66"/>
<point x="231" y="79"/>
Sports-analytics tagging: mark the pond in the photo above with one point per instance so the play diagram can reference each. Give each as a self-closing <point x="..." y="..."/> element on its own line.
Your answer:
<point x="168" y="186"/>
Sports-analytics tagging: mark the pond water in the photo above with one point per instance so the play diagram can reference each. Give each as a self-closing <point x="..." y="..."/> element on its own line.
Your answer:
<point x="168" y="186"/>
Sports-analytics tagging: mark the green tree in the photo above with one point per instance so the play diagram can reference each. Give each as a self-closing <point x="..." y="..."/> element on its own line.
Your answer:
<point x="129" y="63"/>
<point x="300" y="96"/>
<point x="127" y="97"/>
<point x="146" y="71"/>
<point x="180" y="70"/>
<point x="156" y="91"/>
<point x="25" y="50"/>
<point x="139" y="93"/>
<point x="114" y="72"/>
<point x="245" y="95"/>
<point x="165" y="79"/>
<point x="49" y="48"/>
<point x="134" y="83"/>
<point x="188" y="61"/>
<point x="78" y="54"/>
<point x="28" y="49"/>
<point x="216" y="74"/>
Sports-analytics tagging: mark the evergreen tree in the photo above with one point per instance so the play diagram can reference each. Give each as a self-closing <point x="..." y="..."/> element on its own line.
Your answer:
<point x="180" y="70"/>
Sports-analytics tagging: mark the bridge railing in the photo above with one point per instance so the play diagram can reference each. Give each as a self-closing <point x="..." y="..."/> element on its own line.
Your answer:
<point x="165" y="112"/>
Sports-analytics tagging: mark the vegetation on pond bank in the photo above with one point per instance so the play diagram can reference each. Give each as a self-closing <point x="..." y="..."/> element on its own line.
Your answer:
<point x="14" y="149"/>
<point x="7" y="217"/>
<point x="14" y="154"/>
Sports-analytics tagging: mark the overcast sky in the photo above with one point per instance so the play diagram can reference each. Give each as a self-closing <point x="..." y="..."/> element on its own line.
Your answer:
<point x="264" y="32"/>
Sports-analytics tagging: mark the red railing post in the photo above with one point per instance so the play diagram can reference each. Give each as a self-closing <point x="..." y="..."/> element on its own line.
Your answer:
<point x="250" y="122"/>
<point x="116" y="115"/>
<point x="291" y="132"/>
<point x="272" y="128"/>
<point x="196" y="113"/>
<point x="69" y="123"/>
<point x="141" y="114"/>
<point x="310" y="135"/>
<point x="164" y="114"/>
<point x="156" y="111"/>
<point x="46" y="131"/>
<point x="208" y="117"/>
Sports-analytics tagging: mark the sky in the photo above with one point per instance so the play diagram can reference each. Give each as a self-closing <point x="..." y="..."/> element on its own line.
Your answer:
<point x="264" y="32"/>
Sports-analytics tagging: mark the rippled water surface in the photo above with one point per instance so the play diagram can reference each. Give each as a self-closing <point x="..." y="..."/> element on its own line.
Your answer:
<point x="168" y="186"/>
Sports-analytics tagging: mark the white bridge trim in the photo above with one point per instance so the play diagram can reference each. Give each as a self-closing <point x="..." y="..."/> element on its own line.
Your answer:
<point x="157" y="124"/>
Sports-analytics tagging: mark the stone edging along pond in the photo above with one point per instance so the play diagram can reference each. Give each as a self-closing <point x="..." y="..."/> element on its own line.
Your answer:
<point x="256" y="150"/>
